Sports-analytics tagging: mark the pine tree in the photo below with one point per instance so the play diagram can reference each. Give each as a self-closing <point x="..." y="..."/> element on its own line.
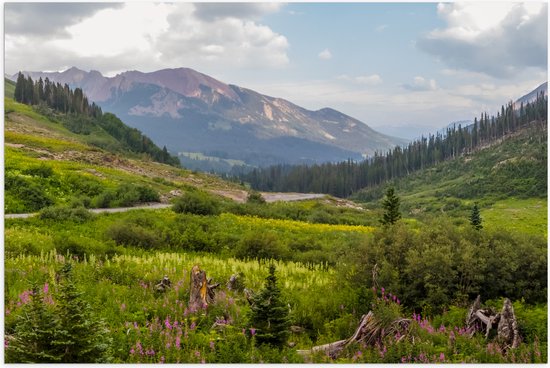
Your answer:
<point x="391" y="208"/>
<point x="85" y="339"/>
<point x="36" y="336"/>
<point x="475" y="218"/>
<point x="269" y="314"/>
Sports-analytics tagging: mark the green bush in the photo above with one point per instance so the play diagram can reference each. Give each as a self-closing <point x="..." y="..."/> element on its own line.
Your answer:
<point x="262" y="245"/>
<point x="127" y="234"/>
<point x="196" y="203"/>
<point x="42" y="171"/>
<point x="63" y="213"/>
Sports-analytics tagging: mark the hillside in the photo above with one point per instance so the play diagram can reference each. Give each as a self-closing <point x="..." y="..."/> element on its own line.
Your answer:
<point x="508" y="179"/>
<point x="192" y="113"/>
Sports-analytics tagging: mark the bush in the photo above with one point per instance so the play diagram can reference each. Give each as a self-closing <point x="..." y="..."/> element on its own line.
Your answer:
<point x="42" y="171"/>
<point x="131" y="235"/>
<point x="263" y="245"/>
<point x="63" y="213"/>
<point x="196" y="203"/>
<point x="255" y="197"/>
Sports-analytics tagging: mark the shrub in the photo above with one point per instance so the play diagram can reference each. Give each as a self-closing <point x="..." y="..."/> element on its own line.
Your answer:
<point x="255" y="197"/>
<point x="42" y="171"/>
<point x="63" y="213"/>
<point x="197" y="204"/>
<point x="261" y="245"/>
<point x="131" y="235"/>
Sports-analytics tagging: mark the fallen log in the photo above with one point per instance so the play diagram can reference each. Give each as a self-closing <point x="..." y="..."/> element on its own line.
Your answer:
<point x="369" y="331"/>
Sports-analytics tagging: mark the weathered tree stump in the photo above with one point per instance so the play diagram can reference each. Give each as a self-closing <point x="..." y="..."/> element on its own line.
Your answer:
<point x="508" y="333"/>
<point x="484" y="321"/>
<point x="202" y="290"/>
<point x="163" y="285"/>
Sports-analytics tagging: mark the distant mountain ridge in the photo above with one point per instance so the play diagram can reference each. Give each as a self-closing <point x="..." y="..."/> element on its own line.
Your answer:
<point x="190" y="111"/>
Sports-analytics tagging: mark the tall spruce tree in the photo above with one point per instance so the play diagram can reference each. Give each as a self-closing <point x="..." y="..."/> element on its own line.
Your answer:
<point x="391" y="208"/>
<point x="475" y="218"/>
<point x="86" y="337"/>
<point x="269" y="314"/>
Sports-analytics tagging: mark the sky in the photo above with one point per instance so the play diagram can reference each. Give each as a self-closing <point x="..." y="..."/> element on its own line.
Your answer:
<point x="404" y="69"/>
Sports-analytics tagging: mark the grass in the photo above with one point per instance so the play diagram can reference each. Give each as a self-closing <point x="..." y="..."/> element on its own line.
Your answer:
<point x="518" y="215"/>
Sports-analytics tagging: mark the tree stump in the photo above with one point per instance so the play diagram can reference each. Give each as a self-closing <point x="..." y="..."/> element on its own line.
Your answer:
<point x="163" y="285"/>
<point x="201" y="291"/>
<point x="508" y="333"/>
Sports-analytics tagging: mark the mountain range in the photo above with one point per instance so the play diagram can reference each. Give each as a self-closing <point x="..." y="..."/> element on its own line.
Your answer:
<point x="190" y="112"/>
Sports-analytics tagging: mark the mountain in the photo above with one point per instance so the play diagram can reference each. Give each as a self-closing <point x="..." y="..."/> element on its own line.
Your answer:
<point x="191" y="112"/>
<point x="532" y="96"/>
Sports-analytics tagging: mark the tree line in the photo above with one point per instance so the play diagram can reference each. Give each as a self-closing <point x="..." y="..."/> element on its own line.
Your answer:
<point x="83" y="117"/>
<point x="344" y="178"/>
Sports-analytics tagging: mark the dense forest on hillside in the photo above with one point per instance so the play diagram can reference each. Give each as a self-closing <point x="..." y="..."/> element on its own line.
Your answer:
<point x="81" y="117"/>
<point x="345" y="178"/>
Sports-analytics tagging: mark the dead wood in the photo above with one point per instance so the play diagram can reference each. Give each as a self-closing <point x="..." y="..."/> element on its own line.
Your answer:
<point x="202" y="290"/>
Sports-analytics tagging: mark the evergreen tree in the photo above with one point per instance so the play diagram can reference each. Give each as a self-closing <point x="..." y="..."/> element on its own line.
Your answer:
<point x="86" y="339"/>
<point x="269" y="314"/>
<point x="391" y="208"/>
<point x="475" y="218"/>
<point x="36" y="336"/>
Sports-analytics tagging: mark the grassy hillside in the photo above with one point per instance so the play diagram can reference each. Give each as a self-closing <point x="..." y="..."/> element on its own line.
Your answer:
<point x="68" y="267"/>
<point x="508" y="180"/>
<point x="9" y="88"/>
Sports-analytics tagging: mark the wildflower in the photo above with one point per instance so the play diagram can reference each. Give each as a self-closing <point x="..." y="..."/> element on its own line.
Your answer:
<point x="132" y="351"/>
<point x="203" y="361"/>
<point x="167" y="323"/>
<point x="123" y="307"/>
<point x="383" y="290"/>
<point x="197" y="353"/>
<point x="212" y="345"/>
<point x="178" y="342"/>
<point x="441" y="328"/>
<point x="252" y="331"/>
<point x="162" y="359"/>
<point x="46" y="288"/>
<point x="403" y="359"/>
<point x="398" y="302"/>
<point x="168" y="345"/>
<point x="193" y="326"/>
<point x="441" y="357"/>
<point x="136" y="325"/>
<point x="8" y="312"/>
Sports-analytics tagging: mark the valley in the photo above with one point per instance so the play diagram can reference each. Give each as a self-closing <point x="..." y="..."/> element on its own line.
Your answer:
<point x="425" y="269"/>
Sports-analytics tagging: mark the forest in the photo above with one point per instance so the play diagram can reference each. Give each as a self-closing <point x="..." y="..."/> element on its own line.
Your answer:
<point x="346" y="178"/>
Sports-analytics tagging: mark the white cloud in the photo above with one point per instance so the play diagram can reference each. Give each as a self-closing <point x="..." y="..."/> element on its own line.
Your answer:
<point x="498" y="39"/>
<point x="421" y="84"/>
<point x="381" y="27"/>
<point x="371" y="80"/>
<point x="325" y="54"/>
<point x="151" y="36"/>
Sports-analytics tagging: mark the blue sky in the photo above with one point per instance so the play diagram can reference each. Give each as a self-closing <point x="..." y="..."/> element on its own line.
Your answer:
<point x="402" y="68"/>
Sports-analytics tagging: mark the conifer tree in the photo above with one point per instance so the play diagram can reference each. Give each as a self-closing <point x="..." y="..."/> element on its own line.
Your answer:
<point x="475" y="218"/>
<point x="36" y="336"/>
<point x="391" y="208"/>
<point x="85" y="337"/>
<point x="269" y="314"/>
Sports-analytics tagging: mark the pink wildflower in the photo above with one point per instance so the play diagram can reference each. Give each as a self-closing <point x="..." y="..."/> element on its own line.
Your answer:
<point x="46" y="288"/>
<point x="212" y="345"/>
<point x="167" y="323"/>
<point x="252" y="331"/>
<point x="442" y="357"/>
<point x="162" y="359"/>
<point x="193" y="325"/>
<point x="197" y="353"/>
<point x="178" y="342"/>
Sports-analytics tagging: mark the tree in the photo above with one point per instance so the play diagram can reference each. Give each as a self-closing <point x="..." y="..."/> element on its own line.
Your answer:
<point x="85" y="337"/>
<point x="475" y="218"/>
<point x="269" y="314"/>
<point x="36" y="336"/>
<point x="391" y="207"/>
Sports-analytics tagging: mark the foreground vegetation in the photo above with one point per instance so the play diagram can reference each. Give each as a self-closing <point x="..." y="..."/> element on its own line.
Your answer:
<point x="81" y="287"/>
